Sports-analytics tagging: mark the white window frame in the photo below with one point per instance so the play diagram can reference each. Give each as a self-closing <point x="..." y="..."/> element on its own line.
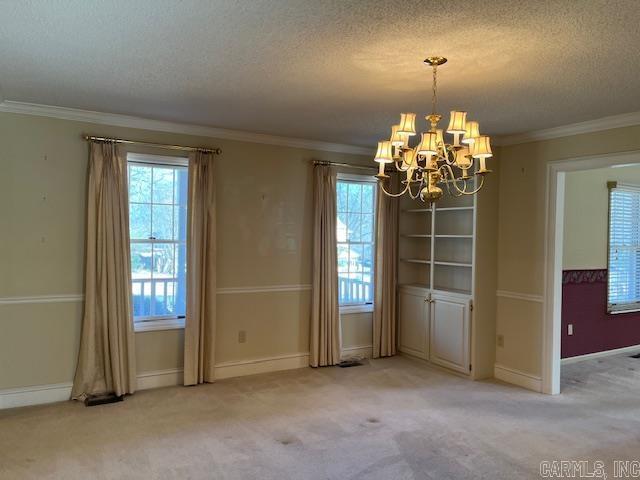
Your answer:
<point x="156" y="322"/>
<point x="351" y="177"/>
<point x="628" y="307"/>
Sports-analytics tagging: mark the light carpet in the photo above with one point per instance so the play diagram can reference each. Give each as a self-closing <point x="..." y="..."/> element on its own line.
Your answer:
<point x="392" y="419"/>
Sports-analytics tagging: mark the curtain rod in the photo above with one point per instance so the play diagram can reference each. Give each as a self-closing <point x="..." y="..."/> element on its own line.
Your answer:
<point x="348" y="165"/>
<point x="216" y="151"/>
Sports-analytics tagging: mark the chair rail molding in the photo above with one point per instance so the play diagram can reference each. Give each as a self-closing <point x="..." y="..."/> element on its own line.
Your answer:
<point x="527" y="297"/>
<point x="264" y="289"/>
<point x="61" y="298"/>
<point x="79" y="297"/>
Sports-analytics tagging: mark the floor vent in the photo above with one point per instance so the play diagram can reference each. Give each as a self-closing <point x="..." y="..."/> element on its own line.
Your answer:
<point x="350" y="363"/>
<point x="93" y="400"/>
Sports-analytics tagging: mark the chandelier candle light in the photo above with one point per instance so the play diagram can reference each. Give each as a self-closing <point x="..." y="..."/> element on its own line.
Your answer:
<point x="433" y="162"/>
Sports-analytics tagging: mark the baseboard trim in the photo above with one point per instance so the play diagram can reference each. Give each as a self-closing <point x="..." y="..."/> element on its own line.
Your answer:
<point x="517" y="377"/>
<point x="365" y="351"/>
<point x="261" y="365"/>
<point x="606" y="353"/>
<point x="42" y="394"/>
<point x="159" y="378"/>
<point x="34" y="395"/>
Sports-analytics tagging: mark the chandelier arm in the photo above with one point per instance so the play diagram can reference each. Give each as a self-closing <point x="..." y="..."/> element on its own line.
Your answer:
<point x="397" y="164"/>
<point x="476" y="190"/>
<point x="447" y="169"/>
<point x="395" y="195"/>
<point x="445" y="157"/>
<point x="413" y="197"/>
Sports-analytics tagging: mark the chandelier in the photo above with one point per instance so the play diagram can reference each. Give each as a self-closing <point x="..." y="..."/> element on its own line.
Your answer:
<point x="433" y="163"/>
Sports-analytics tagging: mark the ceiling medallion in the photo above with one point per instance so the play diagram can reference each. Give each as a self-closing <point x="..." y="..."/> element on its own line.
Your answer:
<point x="433" y="163"/>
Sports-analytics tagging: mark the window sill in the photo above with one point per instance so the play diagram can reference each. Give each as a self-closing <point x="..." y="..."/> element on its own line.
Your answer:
<point x="367" y="308"/>
<point x="160" y="324"/>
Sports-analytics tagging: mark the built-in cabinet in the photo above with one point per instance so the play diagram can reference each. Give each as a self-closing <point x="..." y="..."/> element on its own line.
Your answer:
<point x="436" y="281"/>
<point x="449" y="336"/>
<point x="413" y="309"/>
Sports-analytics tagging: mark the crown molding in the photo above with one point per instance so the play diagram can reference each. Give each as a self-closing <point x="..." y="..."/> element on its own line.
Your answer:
<point x="590" y="126"/>
<point x="128" y="121"/>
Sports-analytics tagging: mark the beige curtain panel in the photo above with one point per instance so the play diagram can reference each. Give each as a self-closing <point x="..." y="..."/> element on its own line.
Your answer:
<point x="325" y="321"/>
<point x="200" y="322"/>
<point x="386" y="265"/>
<point x="106" y="361"/>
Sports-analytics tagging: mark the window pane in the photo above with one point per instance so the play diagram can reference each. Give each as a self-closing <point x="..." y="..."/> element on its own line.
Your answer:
<point x="353" y="227"/>
<point x="162" y="228"/>
<point x="181" y="283"/>
<point x="158" y="207"/>
<point x="343" y="258"/>
<point x="367" y="258"/>
<point x="355" y="258"/>
<point x="181" y="186"/>
<point x="367" y="228"/>
<point x="355" y="246"/>
<point x="163" y="278"/>
<point x="341" y="227"/>
<point x="163" y="260"/>
<point x="180" y="223"/>
<point x="355" y="288"/>
<point x="624" y="249"/>
<point x="141" y="260"/>
<point x="354" y="201"/>
<point x="139" y="221"/>
<point x="342" y="188"/>
<point x="367" y="198"/>
<point x="163" y="185"/>
<point x="139" y="184"/>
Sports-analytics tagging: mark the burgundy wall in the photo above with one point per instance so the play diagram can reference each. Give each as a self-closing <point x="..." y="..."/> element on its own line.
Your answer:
<point x="584" y="304"/>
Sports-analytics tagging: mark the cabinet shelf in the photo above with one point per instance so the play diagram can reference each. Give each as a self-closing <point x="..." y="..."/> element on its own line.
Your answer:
<point x="416" y="260"/>
<point x="453" y="236"/>
<point x="453" y="264"/>
<point x="416" y="235"/>
<point x="416" y="210"/>
<point x="453" y="209"/>
<point x="458" y="291"/>
<point x="414" y="285"/>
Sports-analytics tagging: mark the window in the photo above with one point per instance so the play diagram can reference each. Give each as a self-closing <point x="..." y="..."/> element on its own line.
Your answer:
<point x="356" y="239"/>
<point x="624" y="248"/>
<point x="158" y="192"/>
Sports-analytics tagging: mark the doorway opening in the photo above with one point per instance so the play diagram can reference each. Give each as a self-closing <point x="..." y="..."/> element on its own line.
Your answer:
<point x="576" y="260"/>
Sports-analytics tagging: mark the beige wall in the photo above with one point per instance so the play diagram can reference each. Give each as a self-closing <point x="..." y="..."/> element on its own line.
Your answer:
<point x="586" y="205"/>
<point x="484" y="312"/>
<point x="521" y="235"/>
<point x="264" y="238"/>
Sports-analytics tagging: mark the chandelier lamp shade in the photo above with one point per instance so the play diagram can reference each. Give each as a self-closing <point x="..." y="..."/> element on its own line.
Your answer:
<point x="433" y="165"/>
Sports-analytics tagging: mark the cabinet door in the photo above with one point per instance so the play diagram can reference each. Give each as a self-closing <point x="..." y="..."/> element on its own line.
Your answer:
<point x="449" y="335"/>
<point x="413" y="323"/>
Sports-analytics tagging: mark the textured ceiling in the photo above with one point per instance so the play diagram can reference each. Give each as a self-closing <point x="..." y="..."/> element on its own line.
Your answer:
<point x="333" y="70"/>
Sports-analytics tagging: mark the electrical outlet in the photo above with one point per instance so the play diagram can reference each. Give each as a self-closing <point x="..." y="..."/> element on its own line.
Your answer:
<point x="500" y="340"/>
<point x="242" y="336"/>
<point x="570" y="329"/>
